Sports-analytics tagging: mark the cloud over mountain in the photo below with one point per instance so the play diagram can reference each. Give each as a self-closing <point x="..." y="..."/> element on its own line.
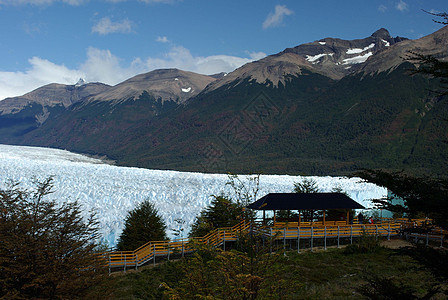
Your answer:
<point x="103" y="66"/>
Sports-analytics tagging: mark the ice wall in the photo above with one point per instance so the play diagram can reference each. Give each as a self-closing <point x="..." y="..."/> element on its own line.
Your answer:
<point x="112" y="191"/>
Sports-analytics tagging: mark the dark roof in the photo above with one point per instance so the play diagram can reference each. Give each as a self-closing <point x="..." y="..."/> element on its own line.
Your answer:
<point x="298" y="201"/>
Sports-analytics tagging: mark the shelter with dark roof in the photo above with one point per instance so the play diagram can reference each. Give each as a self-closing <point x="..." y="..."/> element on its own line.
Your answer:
<point x="306" y="201"/>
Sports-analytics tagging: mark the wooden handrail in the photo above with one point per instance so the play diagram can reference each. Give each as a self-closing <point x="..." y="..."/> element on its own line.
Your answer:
<point x="289" y="230"/>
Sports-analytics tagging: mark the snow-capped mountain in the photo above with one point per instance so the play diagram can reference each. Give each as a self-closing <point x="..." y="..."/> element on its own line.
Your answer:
<point x="331" y="57"/>
<point x="112" y="191"/>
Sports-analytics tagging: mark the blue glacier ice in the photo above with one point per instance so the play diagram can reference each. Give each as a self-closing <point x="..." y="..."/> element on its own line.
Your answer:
<point x="112" y="191"/>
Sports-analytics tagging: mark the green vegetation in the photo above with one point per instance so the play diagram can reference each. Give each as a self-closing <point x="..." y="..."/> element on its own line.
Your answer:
<point x="333" y="274"/>
<point x="221" y="212"/>
<point x="422" y="196"/>
<point x="47" y="251"/>
<point x="142" y="224"/>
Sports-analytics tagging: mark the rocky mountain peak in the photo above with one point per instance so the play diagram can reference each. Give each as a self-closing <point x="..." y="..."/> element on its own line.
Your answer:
<point x="80" y="82"/>
<point x="381" y="33"/>
<point x="331" y="57"/>
<point x="162" y="84"/>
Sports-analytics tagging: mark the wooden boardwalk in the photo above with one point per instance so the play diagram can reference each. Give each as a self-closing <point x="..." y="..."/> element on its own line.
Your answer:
<point x="149" y="252"/>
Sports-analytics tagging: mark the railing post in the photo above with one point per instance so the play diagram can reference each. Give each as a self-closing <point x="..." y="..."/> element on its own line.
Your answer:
<point x="325" y="238"/>
<point x="338" y="236"/>
<point x="284" y="240"/>
<point x="376" y="227"/>
<point x="183" y="247"/>
<point x="298" y="239"/>
<point x="441" y="238"/>
<point x="427" y="239"/>
<point x="312" y="238"/>
<point x="270" y="240"/>
<point x="351" y="234"/>
<point x="154" y="254"/>
<point x="168" y="247"/>
<point x="136" y="261"/>
<point x="388" y="232"/>
<point x="124" y="262"/>
<point x="224" y="241"/>
<point x="109" y="265"/>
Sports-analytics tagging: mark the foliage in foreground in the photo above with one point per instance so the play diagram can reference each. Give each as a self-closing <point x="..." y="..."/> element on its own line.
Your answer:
<point x="142" y="224"/>
<point x="46" y="250"/>
<point x="333" y="274"/>
<point x="421" y="195"/>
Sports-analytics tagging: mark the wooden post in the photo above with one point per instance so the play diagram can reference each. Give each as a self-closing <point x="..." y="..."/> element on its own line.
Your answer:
<point x="264" y="217"/>
<point x="388" y="232"/>
<point x="324" y="217"/>
<point x="300" y="216"/>
<point x="274" y="217"/>
<point x="348" y="217"/>
<point x="154" y="254"/>
<point x="298" y="238"/>
<point x="136" y="261"/>
<point x="224" y="241"/>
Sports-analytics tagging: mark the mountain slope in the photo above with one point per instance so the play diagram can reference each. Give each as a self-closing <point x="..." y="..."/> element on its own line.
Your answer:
<point x="286" y="113"/>
<point x="334" y="58"/>
<point x="19" y="115"/>
<point x="163" y="85"/>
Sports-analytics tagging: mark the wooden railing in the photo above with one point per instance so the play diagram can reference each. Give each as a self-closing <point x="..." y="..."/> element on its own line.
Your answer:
<point x="288" y="231"/>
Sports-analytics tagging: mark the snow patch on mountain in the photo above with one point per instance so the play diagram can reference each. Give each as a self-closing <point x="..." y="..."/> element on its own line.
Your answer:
<point x="358" y="50"/>
<point x="313" y="58"/>
<point x="386" y="43"/>
<point x="187" y="90"/>
<point x="322" y="43"/>
<point x="112" y="191"/>
<point x="81" y="82"/>
<point x="357" y="59"/>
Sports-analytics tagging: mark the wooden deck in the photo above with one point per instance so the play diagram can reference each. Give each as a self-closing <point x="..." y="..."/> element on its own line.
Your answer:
<point x="149" y="252"/>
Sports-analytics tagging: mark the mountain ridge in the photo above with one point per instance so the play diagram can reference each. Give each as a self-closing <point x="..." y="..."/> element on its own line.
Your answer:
<point x="281" y="114"/>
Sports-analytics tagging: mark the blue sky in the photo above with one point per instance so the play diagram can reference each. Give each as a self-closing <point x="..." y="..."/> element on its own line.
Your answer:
<point x="45" y="41"/>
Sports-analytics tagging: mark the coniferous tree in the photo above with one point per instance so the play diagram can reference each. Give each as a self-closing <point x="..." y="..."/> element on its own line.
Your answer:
<point x="221" y="212"/>
<point x="142" y="224"/>
<point x="46" y="251"/>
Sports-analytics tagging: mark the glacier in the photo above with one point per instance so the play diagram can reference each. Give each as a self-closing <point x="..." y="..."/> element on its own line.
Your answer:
<point x="111" y="191"/>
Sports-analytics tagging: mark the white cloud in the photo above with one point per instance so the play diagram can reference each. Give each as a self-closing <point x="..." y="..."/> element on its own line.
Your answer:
<point x="162" y="39"/>
<point x="275" y="19"/>
<point x="103" y="66"/>
<point x="41" y="72"/>
<point x="181" y="58"/>
<point x="106" y="26"/>
<point x="402" y="6"/>
<point x="382" y="8"/>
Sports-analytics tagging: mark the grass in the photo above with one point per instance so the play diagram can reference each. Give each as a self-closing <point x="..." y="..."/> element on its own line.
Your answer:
<point x="406" y="273"/>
